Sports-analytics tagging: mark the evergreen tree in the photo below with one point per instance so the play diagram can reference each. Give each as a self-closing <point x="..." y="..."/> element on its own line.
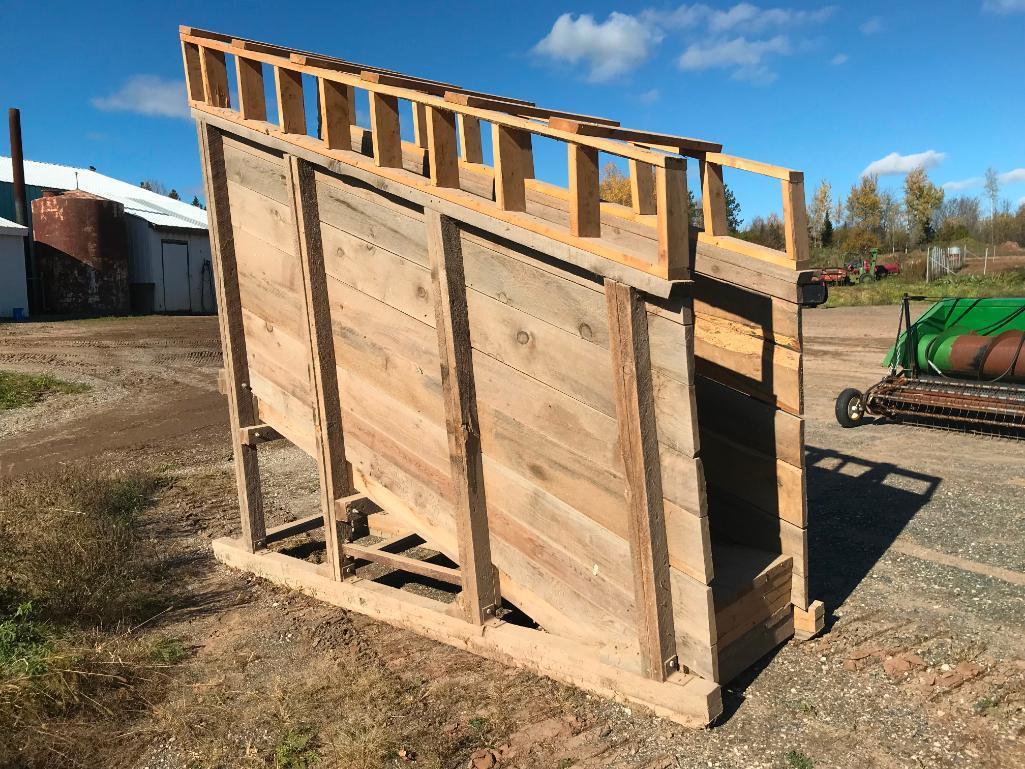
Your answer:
<point x="195" y="201"/>
<point x="733" y="219"/>
<point x="827" y="231"/>
<point x="173" y="194"/>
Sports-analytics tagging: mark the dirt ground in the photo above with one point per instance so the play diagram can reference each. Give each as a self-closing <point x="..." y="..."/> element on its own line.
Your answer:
<point x="917" y="549"/>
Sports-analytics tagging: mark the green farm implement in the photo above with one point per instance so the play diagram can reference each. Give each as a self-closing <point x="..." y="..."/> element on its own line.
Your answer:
<point x="960" y="366"/>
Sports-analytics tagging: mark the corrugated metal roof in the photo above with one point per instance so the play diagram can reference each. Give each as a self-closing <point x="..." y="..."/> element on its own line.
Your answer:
<point x="156" y="209"/>
<point x="7" y="227"/>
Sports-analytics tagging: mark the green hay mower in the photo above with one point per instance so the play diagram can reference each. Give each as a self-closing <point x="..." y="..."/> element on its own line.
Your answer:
<point x="960" y="366"/>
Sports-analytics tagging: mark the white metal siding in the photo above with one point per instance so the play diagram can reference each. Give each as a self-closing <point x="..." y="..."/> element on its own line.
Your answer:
<point x="13" y="286"/>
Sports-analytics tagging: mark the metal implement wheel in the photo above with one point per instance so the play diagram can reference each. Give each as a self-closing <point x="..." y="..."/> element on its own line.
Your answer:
<point x="850" y="408"/>
<point x="866" y="278"/>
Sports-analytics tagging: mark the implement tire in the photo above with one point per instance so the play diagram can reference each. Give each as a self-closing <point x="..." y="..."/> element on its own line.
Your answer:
<point x="850" y="408"/>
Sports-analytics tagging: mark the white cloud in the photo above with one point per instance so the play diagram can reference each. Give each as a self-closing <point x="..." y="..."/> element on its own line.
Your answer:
<point x="617" y="45"/>
<point x="723" y="38"/>
<point x="746" y="58"/>
<point x="750" y="18"/>
<point x="1011" y="177"/>
<point x="895" y="163"/>
<point x="963" y="184"/>
<point x="840" y="58"/>
<point x="1004" y="6"/>
<point x="872" y="26"/>
<point x="147" y="95"/>
<point x="649" y="97"/>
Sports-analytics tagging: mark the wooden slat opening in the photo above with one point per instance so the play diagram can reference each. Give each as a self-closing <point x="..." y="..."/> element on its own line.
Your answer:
<point x="215" y="78"/>
<point x="294" y="528"/>
<point x="336" y="110"/>
<point x="384" y="127"/>
<point x="291" y="105"/>
<point x="584" y="200"/>
<point x="510" y="148"/>
<point x="443" y="162"/>
<point x="419" y="124"/>
<point x="252" y="95"/>
<point x="673" y="218"/>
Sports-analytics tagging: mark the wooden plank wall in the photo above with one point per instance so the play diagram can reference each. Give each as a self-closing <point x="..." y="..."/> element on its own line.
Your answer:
<point x="554" y="477"/>
<point x="748" y="351"/>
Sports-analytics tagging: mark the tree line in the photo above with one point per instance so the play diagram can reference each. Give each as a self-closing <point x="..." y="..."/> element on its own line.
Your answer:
<point x="869" y="217"/>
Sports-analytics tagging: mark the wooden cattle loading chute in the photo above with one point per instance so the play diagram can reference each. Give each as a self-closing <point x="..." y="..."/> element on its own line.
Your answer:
<point x="585" y="411"/>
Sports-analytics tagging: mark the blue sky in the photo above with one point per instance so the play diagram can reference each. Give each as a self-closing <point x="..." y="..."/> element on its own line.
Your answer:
<point x="827" y="88"/>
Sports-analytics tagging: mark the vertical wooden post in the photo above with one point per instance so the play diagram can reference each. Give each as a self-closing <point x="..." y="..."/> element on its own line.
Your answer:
<point x="673" y="218"/>
<point x="291" y="106"/>
<point x="443" y="162"/>
<point x="795" y="219"/>
<point x="469" y="139"/>
<point x="384" y="128"/>
<point x="215" y="78"/>
<point x="713" y="199"/>
<point x="584" y="202"/>
<point x="420" y="125"/>
<point x="334" y="477"/>
<point x="252" y="99"/>
<point x="507" y="145"/>
<point x="334" y="114"/>
<point x="527" y="140"/>
<point x="480" y="587"/>
<point x="638" y="441"/>
<point x="233" y="339"/>
<point x="193" y="71"/>
<point x="642" y="187"/>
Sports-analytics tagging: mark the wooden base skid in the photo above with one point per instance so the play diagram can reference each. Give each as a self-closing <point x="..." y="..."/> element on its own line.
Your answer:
<point x="809" y="622"/>
<point x="685" y="699"/>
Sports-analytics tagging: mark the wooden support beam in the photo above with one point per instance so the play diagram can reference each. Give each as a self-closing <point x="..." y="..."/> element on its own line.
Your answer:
<point x="420" y="124"/>
<point x="254" y="435"/>
<point x="480" y="587"/>
<point x="335" y="482"/>
<point x="443" y="160"/>
<point x="335" y="113"/>
<point x="673" y="212"/>
<point x="291" y="106"/>
<point x="638" y="441"/>
<point x="470" y="145"/>
<point x="795" y="221"/>
<point x="215" y="78"/>
<point x="809" y="622"/>
<point x="252" y="98"/>
<point x="384" y="127"/>
<point x="523" y="109"/>
<point x="404" y="563"/>
<point x="642" y="187"/>
<point x="193" y="71"/>
<point x="508" y="146"/>
<point x="233" y="340"/>
<point x="584" y="200"/>
<point x="713" y="199"/>
<point x="294" y="528"/>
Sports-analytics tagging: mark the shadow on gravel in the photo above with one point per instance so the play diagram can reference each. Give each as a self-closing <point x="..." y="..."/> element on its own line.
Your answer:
<point x="857" y="508"/>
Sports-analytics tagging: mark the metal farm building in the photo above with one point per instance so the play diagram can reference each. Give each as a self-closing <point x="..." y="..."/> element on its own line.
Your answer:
<point x="168" y="249"/>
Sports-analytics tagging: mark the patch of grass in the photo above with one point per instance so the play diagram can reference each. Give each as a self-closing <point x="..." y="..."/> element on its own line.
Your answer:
<point x="890" y="290"/>
<point x="24" y="644"/>
<point x="18" y="390"/>
<point x="985" y="705"/>
<point x="295" y="749"/>
<point x="168" y="651"/>
<point x="70" y="545"/>
<point x="797" y="759"/>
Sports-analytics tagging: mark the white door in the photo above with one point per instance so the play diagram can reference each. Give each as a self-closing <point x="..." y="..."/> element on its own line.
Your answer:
<point x="177" y="296"/>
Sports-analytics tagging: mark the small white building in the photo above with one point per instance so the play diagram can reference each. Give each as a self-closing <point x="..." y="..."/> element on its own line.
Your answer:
<point x="169" y="268"/>
<point x="13" y="286"/>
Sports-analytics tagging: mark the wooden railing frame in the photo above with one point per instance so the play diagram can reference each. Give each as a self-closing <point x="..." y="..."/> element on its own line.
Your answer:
<point x="654" y="159"/>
